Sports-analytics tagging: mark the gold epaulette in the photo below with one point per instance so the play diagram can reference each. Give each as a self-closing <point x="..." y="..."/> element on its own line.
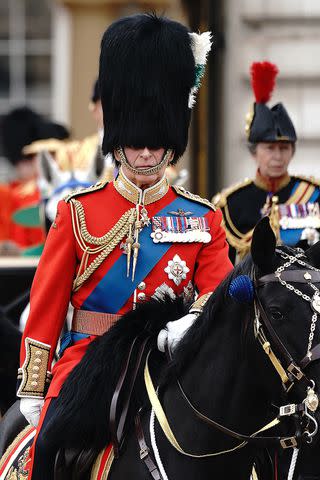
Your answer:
<point x="82" y="191"/>
<point x="182" y="192"/>
<point x="220" y="199"/>
<point x="310" y="179"/>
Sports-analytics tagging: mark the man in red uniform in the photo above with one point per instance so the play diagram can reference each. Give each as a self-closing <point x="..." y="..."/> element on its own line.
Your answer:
<point x="117" y="244"/>
<point x="19" y="128"/>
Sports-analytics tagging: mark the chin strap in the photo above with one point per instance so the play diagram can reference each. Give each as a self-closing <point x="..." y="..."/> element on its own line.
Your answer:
<point x="144" y="171"/>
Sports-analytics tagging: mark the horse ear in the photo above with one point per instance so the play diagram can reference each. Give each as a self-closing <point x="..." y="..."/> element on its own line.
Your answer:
<point x="263" y="245"/>
<point x="313" y="254"/>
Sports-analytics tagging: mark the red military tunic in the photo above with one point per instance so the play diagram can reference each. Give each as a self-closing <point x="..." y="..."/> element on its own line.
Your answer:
<point x="83" y="221"/>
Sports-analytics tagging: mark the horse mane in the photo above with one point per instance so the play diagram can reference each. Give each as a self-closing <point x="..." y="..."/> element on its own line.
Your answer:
<point x="81" y="415"/>
<point x="191" y="343"/>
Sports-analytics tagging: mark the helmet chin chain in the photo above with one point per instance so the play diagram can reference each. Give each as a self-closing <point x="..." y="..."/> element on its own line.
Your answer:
<point x="144" y="171"/>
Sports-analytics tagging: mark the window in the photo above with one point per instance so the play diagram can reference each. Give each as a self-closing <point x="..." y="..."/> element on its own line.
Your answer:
<point x="25" y="57"/>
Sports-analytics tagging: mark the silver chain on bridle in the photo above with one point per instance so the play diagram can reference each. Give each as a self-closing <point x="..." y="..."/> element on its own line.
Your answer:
<point x="314" y="301"/>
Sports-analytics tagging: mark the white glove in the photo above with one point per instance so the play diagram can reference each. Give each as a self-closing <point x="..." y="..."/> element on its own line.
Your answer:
<point x="31" y="408"/>
<point x="174" y="331"/>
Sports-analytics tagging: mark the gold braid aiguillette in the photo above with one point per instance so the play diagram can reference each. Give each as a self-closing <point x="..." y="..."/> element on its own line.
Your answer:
<point x="136" y="244"/>
<point x="130" y="240"/>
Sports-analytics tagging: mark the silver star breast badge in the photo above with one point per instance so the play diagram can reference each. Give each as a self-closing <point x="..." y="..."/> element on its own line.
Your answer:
<point x="177" y="269"/>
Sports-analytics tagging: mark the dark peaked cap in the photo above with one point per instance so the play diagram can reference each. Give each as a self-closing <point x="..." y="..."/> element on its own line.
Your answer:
<point x="147" y="70"/>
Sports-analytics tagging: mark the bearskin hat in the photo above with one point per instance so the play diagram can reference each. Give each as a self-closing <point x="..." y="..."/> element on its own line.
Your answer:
<point x="266" y="124"/>
<point x="22" y="126"/>
<point x="147" y="70"/>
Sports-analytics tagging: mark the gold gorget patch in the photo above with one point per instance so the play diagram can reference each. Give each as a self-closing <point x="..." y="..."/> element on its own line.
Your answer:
<point x="135" y="195"/>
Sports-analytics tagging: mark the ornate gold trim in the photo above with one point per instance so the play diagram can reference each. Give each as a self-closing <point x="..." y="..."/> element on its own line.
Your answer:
<point x="82" y="191"/>
<point x="135" y="195"/>
<point x="34" y="370"/>
<point x="97" y="465"/>
<point x="105" y="244"/>
<point x="249" y="119"/>
<point x="182" y="192"/>
<point x="108" y="466"/>
<point x="199" y="304"/>
<point x="220" y="199"/>
<point x="11" y="448"/>
<point x="230" y="222"/>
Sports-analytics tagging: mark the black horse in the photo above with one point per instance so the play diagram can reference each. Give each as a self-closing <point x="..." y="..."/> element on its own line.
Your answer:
<point x="222" y="367"/>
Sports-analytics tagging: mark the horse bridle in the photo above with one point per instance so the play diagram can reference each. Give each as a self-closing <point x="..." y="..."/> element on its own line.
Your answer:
<point x="290" y="371"/>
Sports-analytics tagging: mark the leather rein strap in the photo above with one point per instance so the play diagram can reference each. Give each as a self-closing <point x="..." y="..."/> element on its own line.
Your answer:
<point x="163" y="421"/>
<point x="117" y="430"/>
<point x="145" y="451"/>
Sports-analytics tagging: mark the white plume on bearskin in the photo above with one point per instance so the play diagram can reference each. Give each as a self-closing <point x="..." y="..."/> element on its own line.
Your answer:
<point x="201" y="45"/>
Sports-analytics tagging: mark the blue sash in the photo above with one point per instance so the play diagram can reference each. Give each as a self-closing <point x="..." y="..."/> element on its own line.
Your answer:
<point x="113" y="291"/>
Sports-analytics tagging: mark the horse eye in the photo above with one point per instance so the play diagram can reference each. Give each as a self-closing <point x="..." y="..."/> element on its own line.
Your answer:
<point x="276" y="314"/>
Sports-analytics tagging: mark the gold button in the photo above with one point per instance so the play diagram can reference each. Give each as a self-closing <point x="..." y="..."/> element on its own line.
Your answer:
<point x="142" y="286"/>
<point x="37" y="360"/>
<point x="35" y="375"/>
<point x="34" y="384"/>
<point x="35" y="368"/>
<point x="141" y="296"/>
<point x="38" y="353"/>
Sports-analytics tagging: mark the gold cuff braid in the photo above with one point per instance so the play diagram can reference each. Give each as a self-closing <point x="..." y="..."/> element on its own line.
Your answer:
<point x="34" y="371"/>
<point x="198" y="305"/>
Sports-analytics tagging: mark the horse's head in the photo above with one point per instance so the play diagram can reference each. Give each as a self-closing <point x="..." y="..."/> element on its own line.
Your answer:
<point x="287" y="310"/>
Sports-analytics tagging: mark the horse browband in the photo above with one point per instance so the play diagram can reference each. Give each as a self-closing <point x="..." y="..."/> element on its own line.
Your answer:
<point x="295" y="276"/>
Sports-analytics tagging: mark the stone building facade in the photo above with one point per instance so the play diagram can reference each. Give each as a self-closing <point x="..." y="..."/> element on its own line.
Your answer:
<point x="287" y="33"/>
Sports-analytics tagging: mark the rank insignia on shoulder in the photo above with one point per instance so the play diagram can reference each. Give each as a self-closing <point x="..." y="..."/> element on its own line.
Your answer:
<point x="180" y="229"/>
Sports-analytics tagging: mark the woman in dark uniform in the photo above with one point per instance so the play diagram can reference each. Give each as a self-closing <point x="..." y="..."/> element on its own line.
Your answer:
<point x="292" y="202"/>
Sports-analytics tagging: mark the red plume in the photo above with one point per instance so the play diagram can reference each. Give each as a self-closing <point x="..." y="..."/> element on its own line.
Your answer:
<point x="263" y="76"/>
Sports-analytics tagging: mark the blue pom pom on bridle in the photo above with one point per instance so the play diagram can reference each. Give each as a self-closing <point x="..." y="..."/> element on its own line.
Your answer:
<point x="241" y="289"/>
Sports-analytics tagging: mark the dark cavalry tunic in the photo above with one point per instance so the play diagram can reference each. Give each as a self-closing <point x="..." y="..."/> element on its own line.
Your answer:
<point x="293" y="208"/>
